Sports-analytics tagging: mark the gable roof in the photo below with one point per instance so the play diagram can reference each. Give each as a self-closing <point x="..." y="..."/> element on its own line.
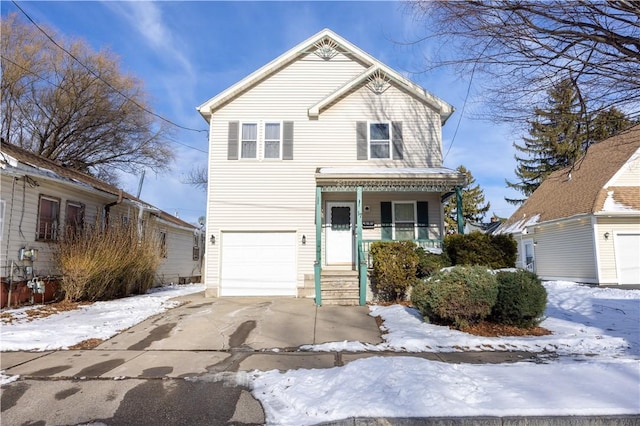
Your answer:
<point x="311" y="44"/>
<point x="21" y="162"/>
<point x="585" y="189"/>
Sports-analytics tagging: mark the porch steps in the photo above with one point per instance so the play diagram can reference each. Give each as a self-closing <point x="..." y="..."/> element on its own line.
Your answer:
<point x="340" y="287"/>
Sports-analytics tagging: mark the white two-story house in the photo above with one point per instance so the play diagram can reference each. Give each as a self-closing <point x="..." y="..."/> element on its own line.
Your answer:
<point x="311" y="158"/>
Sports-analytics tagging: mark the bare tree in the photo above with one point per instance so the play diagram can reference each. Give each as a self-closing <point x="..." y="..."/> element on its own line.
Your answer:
<point x="77" y="107"/>
<point x="198" y="177"/>
<point x="524" y="47"/>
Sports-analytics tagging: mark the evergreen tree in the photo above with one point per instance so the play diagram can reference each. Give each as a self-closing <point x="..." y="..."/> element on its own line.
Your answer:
<point x="473" y="205"/>
<point x="559" y="136"/>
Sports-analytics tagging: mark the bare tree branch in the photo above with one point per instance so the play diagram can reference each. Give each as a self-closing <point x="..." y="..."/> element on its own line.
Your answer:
<point x="90" y="121"/>
<point x="524" y="47"/>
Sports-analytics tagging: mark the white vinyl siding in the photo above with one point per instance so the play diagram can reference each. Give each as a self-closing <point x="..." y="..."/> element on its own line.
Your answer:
<point x="21" y="221"/>
<point x="280" y="195"/>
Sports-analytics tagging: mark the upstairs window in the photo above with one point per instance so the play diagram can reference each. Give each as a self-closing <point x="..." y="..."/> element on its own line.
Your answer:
<point x="249" y="144"/>
<point x="379" y="141"/>
<point x="48" y="213"/>
<point x="272" y="141"/>
<point x="74" y="217"/>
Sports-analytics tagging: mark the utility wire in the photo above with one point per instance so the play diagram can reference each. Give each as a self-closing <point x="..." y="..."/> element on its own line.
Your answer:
<point x="109" y="84"/>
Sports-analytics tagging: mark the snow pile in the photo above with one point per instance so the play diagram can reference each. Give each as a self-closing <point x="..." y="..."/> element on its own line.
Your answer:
<point x="414" y="387"/>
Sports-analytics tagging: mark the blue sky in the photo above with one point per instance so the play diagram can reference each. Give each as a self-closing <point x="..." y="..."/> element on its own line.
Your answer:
<point x="187" y="52"/>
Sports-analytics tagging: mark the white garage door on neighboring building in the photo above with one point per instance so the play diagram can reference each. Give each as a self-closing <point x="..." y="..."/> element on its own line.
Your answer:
<point x="628" y="258"/>
<point x="258" y="264"/>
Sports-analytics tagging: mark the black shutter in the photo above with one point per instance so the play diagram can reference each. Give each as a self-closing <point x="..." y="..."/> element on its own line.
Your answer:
<point x="232" y="147"/>
<point x="361" y="133"/>
<point x="398" y="148"/>
<point x="386" y="220"/>
<point x="422" y="208"/>
<point x="287" y="140"/>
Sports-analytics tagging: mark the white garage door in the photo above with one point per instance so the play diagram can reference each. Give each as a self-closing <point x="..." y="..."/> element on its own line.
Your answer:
<point x="258" y="264"/>
<point x="628" y="258"/>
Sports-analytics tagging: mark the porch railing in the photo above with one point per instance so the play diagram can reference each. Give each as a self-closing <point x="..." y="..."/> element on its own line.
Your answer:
<point x="426" y="244"/>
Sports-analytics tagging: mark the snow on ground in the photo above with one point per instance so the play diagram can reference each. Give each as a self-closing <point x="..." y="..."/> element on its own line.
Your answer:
<point x="584" y="320"/>
<point x="596" y="332"/>
<point x="100" y="320"/>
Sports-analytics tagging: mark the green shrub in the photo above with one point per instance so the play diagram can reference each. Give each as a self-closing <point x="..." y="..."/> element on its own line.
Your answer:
<point x="394" y="269"/>
<point x="430" y="263"/>
<point x="521" y="299"/>
<point x="460" y="296"/>
<point x="105" y="264"/>
<point x="476" y="248"/>
<point x="507" y="250"/>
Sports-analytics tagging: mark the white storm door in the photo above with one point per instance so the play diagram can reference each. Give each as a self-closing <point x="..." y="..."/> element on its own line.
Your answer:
<point x="528" y="258"/>
<point x="339" y="226"/>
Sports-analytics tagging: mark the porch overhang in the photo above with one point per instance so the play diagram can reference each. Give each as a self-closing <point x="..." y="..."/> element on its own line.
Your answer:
<point x="383" y="179"/>
<point x="378" y="179"/>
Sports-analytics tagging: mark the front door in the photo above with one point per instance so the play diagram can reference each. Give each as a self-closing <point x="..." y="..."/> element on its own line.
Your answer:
<point x="339" y="226"/>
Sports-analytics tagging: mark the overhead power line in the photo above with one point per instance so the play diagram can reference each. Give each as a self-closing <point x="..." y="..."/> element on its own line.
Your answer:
<point x="96" y="75"/>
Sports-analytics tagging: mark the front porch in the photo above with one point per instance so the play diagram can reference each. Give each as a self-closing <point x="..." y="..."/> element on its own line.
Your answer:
<point x="358" y="206"/>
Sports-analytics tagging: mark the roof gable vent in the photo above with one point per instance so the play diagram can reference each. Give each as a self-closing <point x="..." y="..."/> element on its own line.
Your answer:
<point x="326" y="49"/>
<point x="378" y="82"/>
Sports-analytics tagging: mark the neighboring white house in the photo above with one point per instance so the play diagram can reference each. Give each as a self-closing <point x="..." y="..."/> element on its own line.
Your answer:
<point x="311" y="158"/>
<point x="41" y="199"/>
<point x="583" y="223"/>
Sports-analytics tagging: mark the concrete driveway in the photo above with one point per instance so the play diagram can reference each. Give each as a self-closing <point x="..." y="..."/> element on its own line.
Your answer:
<point x="196" y="349"/>
<point x="247" y="322"/>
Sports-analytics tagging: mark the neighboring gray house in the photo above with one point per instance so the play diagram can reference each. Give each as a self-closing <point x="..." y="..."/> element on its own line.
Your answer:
<point x="583" y="224"/>
<point x="41" y="198"/>
<point x="311" y="158"/>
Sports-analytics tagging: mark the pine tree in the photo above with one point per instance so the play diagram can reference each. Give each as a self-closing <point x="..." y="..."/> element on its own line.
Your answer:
<point x="473" y="206"/>
<point x="556" y="140"/>
<point x="559" y="136"/>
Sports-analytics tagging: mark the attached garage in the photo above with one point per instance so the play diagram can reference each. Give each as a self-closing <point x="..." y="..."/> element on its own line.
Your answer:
<point x="628" y="258"/>
<point x="258" y="264"/>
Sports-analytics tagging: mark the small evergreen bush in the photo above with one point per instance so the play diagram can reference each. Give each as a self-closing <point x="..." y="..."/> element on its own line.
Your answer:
<point x="460" y="296"/>
<point x="394" y="269"/>
<point x="476" y="248"/>
<point x="430" y="263"/>
<point x="105" y="264"/>
<point x="521" y="299"/>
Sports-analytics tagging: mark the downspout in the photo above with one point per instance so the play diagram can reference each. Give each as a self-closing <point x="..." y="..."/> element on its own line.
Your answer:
<point x="317" y="265"/>
<point x="459" y="216"/>
<point x="362" y="262"/>
<point x="107" y="207"/>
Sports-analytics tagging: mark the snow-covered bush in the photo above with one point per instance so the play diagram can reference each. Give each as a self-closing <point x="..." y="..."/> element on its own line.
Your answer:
<point x="459" y="296"/>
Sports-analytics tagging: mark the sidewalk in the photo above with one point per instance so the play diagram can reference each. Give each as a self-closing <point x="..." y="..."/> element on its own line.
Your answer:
<point x="188" y="365"/>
